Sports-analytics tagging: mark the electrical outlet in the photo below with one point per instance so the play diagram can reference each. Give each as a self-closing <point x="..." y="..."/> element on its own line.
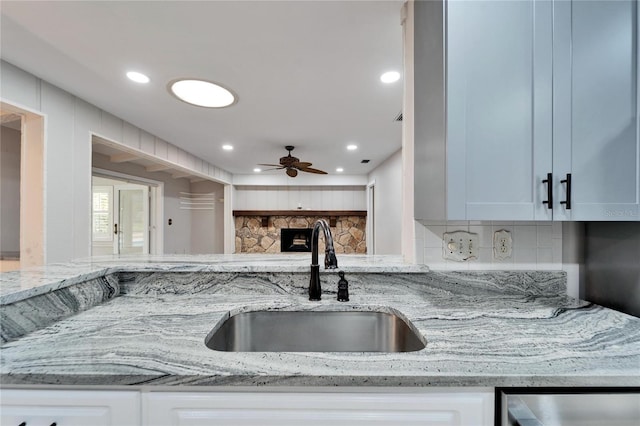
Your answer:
<point x="460" y="246"/>
<point x="502" y="244"/>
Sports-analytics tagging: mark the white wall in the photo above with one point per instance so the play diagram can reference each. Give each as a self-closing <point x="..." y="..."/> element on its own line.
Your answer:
<point x="309" y="197"/>
<point x="9" y="193"/>
<point x="387" y="205"/>
<point x="280" y="178"/>
<point x="408" y="145"/>
<point x="70" y="121"/>
<point x="177" y="237"/>
<point x="207" y="226"/>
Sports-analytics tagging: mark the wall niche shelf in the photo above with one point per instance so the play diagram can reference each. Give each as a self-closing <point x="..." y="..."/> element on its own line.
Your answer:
<point x="331" y="214"/>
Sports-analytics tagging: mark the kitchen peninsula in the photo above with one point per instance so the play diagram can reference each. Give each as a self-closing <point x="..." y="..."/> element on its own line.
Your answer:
<point x="483" y="329"/>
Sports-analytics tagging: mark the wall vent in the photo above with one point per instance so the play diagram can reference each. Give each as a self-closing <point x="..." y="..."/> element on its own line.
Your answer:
<point x="365" y="161"/>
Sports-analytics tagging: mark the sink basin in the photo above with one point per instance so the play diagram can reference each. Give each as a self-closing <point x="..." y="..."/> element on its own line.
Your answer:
<point x="314" y="331"/>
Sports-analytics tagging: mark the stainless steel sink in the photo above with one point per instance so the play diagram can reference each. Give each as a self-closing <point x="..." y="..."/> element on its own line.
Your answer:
<point x="314" y="331"/>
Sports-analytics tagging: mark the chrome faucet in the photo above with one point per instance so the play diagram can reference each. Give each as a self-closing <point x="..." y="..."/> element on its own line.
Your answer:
<point x="330" y="260"/>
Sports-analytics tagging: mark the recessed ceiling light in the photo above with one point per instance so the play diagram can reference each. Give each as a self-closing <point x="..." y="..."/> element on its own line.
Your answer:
<point x="339" y="170"/>
<point x="137" y="77"/>
<point x="257" y="170"/>
<point x="227" y="147"/>
<point x="202" y="93"/>
<point x="390" y="77"/>
<point x="352" y="147"/>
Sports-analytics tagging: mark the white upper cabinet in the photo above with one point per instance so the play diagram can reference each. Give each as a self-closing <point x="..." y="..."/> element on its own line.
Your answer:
<point x="513" y="96"/>
<point x="498" y="108"/>
<point x="595" y="131"/>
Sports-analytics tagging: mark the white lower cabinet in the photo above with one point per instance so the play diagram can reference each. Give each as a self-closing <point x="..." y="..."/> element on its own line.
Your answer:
<point x="448" y="407"/>
<point x="458" y="408"/>
<point x="69" y="408"/>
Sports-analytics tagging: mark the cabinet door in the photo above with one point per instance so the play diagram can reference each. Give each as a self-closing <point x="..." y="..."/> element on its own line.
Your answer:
<point x="499" y="128"/>
<point x="596" y="109"/>
<point x="69" y="408"/>
<point x="315" y="409"/>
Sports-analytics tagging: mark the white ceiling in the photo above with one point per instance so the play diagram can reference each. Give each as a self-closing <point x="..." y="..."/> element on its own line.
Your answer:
<point x="306" y="72"/>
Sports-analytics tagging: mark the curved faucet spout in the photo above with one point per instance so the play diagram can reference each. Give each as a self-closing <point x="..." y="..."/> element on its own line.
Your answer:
<point x="330" y="259"/>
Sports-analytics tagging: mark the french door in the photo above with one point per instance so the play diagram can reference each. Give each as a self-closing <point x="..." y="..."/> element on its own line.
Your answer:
<point x="131" y="219"/>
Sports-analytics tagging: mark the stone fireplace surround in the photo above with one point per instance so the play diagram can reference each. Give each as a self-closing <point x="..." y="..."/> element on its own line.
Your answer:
<point x="349" y="232"/>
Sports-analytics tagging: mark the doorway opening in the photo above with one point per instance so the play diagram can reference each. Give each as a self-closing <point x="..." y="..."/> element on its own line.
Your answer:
<point x="21" y="188"/>
<point x="192" y="209"/>
<point x="371" y="221"/>
<point x="10" y="143"/>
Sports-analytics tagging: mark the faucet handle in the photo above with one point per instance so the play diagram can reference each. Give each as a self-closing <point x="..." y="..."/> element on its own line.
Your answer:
<point x="330" y="259"/>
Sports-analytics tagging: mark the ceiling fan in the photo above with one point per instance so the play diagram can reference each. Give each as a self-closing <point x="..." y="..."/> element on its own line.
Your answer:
<point x="293" y="164"/>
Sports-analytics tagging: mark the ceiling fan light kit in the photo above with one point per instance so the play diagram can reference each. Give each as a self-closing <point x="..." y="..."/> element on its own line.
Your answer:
<point x="292" y="165"/>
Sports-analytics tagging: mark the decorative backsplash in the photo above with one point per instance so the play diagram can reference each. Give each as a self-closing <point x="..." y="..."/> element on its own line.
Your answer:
<point x="349" y="234"/>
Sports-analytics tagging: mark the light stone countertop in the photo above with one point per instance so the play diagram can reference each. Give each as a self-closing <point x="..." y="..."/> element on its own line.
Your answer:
<point x="31" y="282"/>
<point x="482" y="329"/>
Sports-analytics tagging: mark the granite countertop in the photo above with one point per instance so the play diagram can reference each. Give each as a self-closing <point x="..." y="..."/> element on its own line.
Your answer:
<point x="30" y="282"/>
<point x="482" y="329"/>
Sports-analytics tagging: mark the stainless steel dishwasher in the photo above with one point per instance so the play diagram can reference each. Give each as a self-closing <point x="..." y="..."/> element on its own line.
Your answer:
<point x="568" y="407"/>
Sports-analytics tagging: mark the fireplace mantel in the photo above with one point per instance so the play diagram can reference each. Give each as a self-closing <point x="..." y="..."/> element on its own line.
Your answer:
<point x="331" y="214"/>
<point x="300" y="212"/>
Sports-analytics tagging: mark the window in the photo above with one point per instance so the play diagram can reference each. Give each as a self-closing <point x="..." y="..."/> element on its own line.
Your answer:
<point x="102" y="218"/>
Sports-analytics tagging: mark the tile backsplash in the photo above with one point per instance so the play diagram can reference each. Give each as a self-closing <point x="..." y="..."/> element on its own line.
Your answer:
<point x="536" y="245"/>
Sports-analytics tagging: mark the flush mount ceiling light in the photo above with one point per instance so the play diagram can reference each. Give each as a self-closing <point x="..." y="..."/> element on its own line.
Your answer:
<point x="138" y="77"/>
<point x="352" y="147"/>
<point x="227" y="147"/>
<point x="257" y="170"/>
<point x="339" y="170"/>
<point x="202" y="93"/>
<point x="390" y="77"/>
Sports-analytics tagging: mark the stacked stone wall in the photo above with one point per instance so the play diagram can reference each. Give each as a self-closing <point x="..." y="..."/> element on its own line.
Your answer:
<point x="349" y="234"/>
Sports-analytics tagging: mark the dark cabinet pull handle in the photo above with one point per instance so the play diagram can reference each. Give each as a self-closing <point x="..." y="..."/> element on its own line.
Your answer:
<point x="549" y="182"/>
<point x="115" y="228"/>
<point x="567" y="202"/>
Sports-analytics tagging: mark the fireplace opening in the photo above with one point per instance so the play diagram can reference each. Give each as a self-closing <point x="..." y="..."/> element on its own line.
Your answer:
<point x="295" y="239"/>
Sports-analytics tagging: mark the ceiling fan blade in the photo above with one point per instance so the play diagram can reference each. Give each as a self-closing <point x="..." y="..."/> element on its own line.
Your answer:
<point x="275" y="168"/>
<point x="272" y="165"/>
<point x="312" y="170"/>
<point x="301" y="164"/>
<point x="292" y="172"/>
